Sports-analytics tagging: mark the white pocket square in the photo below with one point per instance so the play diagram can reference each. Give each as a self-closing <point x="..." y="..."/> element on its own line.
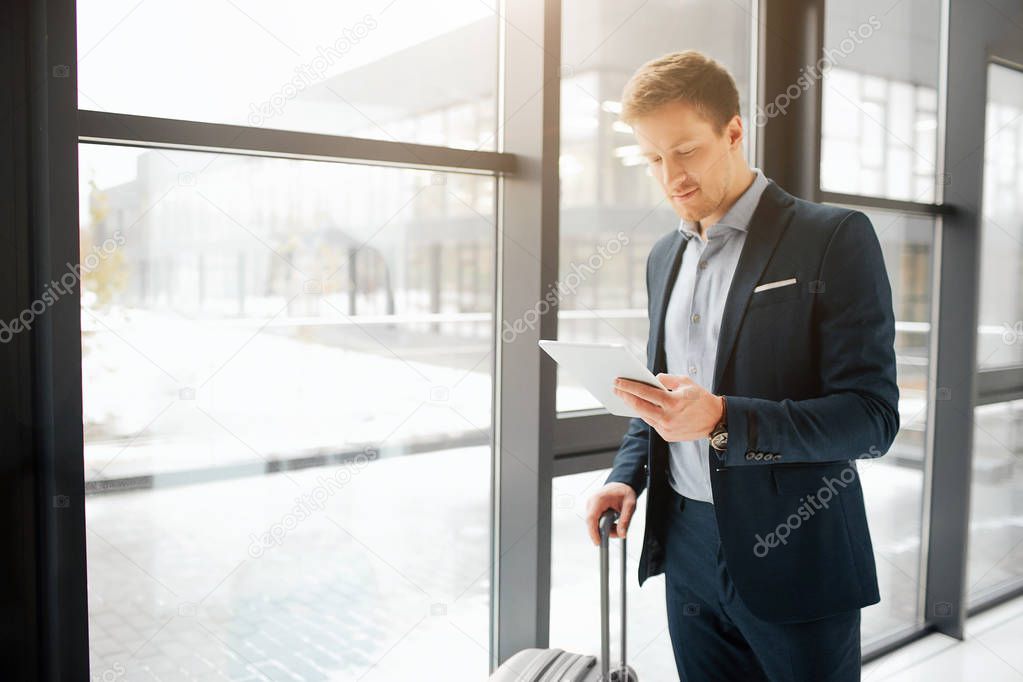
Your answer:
<point x="775" y="285"/>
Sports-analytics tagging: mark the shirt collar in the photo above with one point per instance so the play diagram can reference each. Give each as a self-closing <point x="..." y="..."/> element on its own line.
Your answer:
<point x="739" y="215"/>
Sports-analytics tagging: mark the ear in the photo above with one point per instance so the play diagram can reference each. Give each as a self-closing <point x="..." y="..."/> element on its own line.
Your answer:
<point x="734" y="131"/>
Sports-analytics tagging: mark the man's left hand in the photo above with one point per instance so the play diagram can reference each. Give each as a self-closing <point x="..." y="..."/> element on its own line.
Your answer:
<point x="683" y="410"/>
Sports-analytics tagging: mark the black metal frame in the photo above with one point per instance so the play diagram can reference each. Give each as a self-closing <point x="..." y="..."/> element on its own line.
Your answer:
<point x="162" y="133"/>
<point x="524" y="383"/>
<point x="46" y="624"/>
<point x="19" y="644"/>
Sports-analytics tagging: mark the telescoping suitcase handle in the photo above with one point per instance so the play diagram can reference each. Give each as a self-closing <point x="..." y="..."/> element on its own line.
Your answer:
<point x="624" y="673"/>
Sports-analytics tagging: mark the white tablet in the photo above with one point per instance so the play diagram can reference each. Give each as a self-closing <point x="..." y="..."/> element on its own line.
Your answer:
<point x="597" y="365"/>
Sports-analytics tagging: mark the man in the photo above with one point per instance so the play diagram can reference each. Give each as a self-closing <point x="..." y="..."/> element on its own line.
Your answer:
<point x="771" y="329"/>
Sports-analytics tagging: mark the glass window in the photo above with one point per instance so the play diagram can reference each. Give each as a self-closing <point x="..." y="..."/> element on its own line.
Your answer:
<point x="893" y="485"/>
<point x="996" y="500"/>
<point x="575" y="584"/>
<point x="612" y="211"/>
<point x="1000" y="340"/>
<point x="389" y="70"/>
<point x="879" y="129"/>
<point x="276" y="356"/>
<point x="996" y="505"/>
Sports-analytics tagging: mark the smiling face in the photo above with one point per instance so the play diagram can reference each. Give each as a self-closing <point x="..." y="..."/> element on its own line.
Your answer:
<point x="695" y="164"/>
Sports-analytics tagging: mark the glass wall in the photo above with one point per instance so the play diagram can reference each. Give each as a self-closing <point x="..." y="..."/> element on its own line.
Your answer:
<point x="276" y="356"/>
<point x="996" y="498"/>
<point x="382" y="69"/>
<point x="893" y="485"/>
<point x="1000" y="339"/>
<point x="879" y="130"/>
<point x="879" y="72"/>
<point x="255" y="288"/>
<point x="287" y="362"/>
<point x="612" y="211"/>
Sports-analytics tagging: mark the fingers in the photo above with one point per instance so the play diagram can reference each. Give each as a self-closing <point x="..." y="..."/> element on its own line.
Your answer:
<point x="650" y="413"/>
<point x="617" y="497"/>
<point x="591" y="525"/>
<point x="679" y="385"/>
<point x="600" y="503"/>
<point x="672" y="381"/>
<point x="651" y="394"/>
<point x="625" y="518"/>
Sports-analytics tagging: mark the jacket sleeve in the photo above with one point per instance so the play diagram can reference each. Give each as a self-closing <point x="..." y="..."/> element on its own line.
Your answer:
<point x="857" y="413"/>
<point x="630" y="463"/>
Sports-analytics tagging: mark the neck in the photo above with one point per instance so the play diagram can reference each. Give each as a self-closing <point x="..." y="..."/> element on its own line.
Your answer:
<point x="743" y="179"/>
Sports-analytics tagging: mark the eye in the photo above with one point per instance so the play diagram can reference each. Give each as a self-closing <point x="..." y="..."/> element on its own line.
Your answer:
<point x="655" y="159"/>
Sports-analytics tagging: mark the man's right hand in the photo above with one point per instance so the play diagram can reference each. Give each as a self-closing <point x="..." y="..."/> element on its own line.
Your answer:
<point x="618" y="496"/>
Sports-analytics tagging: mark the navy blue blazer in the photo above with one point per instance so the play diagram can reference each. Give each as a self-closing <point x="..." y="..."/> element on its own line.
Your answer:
<point x="808" y="374"/>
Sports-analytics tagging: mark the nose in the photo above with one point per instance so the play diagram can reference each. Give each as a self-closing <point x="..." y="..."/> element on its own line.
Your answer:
<point x="673" y="174"/>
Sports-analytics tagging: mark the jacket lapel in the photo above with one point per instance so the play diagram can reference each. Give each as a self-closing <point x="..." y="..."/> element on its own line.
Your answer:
<point x="771" y="217"/>
<point x="669" y="273"/>
<point x="768" y="223"/>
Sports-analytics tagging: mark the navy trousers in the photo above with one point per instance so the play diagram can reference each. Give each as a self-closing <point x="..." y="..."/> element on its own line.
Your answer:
<point x="716" y="638"/>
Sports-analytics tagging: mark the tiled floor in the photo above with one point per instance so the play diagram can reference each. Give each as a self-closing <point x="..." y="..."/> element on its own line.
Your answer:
<point x="992" y="651"/>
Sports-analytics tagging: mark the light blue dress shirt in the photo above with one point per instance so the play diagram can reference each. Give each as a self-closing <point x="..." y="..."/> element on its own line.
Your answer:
<point x="693" y="320"/>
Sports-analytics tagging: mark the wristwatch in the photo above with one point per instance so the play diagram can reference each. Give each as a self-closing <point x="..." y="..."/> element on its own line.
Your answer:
<point x="719" y="435"/>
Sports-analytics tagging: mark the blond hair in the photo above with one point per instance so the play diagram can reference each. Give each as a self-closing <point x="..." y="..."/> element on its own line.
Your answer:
<point x="689" y="76"/>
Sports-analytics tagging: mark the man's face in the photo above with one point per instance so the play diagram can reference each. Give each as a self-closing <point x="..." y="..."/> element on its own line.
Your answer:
<point x="691" y="161"/>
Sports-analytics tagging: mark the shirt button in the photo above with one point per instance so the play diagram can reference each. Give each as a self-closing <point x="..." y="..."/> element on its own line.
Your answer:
<point x="696" y="317"/>
<point x="703" y="264"/>
<point x="692" y="369"/>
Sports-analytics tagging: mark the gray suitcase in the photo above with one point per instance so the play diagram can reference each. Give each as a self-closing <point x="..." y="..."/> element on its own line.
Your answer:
<point x="557" y="665"/>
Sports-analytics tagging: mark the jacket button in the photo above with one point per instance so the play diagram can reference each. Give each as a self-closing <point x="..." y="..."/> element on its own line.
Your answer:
<point x="749" y="455"/>
<point x="777" y="457"/>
